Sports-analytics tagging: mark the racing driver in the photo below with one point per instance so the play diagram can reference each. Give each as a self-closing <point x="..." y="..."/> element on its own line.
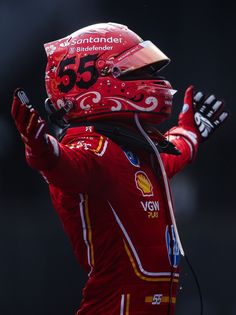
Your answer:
<point x="108" y="167"/>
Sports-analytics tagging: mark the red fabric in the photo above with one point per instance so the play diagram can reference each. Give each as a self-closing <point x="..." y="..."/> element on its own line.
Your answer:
<point x="186" y="117"/>
<point x="115" y="213"/>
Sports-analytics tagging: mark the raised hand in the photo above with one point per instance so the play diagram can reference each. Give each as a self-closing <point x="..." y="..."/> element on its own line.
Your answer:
<point x="204" y="114"/>
<point x="30" y="125"/>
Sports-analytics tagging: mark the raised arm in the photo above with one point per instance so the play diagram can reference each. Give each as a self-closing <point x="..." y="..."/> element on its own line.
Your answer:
<point x="198" y="120"/>
<point x="68" y="167"/>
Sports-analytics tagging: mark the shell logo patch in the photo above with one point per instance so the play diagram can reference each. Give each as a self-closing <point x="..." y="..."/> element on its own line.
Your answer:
<point x="143" y="183"/>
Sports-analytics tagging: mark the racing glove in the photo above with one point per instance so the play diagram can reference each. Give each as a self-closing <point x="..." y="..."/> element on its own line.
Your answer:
<point x="199" y="118"/>
<point x="205" y="114"/>
<point x="33" y="130"/>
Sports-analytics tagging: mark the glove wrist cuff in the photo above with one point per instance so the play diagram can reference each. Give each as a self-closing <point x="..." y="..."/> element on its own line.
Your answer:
<point x="189" y="135"/>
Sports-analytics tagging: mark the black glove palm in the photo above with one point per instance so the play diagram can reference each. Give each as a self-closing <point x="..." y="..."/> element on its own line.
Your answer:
<point x="208" y="114"/>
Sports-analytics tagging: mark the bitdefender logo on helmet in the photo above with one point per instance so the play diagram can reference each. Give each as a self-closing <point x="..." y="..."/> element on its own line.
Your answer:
<point x="93" y="48"/>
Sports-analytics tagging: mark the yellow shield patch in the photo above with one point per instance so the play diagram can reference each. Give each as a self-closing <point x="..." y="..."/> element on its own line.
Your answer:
<point x="143" y="183"/>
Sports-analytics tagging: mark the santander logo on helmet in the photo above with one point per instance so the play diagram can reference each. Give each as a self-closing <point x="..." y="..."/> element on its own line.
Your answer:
<point x="105" y="71"/>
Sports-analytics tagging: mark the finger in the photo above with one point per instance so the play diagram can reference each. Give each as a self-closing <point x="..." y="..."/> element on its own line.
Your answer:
<point x="23" y="117"/>
<point x="36" y="126"/>
<point x="221" y="119"/>
<point x="41" y="130"/>
<point x="217" y="107"/>
<point x="188" y="100"/>
<point x="32" y="123"/>
<point x="15" y="107"/>
<point x="210" y="99"/>
<point x="198" y="96"/>
<point x="206" y="106"/>
<point x="188" y="96"/>
<point x="23" y="98"/>
<point x="198" y="99"/>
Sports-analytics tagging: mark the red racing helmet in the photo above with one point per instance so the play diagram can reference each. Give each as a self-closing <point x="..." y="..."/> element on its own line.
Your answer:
<point x="106" y="71"/>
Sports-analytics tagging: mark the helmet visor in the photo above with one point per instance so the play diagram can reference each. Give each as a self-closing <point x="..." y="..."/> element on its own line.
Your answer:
<point x="141" y="55"/>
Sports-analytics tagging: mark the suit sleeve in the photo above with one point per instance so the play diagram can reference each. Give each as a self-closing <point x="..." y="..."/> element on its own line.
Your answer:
<point x="186" y="142"/>
<point x="72" y="168"/>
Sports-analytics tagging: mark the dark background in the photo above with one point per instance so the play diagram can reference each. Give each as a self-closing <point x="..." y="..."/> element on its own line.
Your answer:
<point x="38" y="272"/>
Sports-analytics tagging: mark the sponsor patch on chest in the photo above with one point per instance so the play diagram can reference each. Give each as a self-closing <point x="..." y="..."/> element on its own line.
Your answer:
<point x="172" y="247"/>
<point x="150" y="205"/>
<point x="143" y="183"/>
<point x="132" y="158"/>
<point x="151" y="208"/>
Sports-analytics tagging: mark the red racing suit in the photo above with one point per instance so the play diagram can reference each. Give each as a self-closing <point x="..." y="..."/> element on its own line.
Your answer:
<point x="113" y="207"/>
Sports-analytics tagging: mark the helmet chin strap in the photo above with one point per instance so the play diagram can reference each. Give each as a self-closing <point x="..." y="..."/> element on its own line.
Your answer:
<point x="165" y="180"/>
